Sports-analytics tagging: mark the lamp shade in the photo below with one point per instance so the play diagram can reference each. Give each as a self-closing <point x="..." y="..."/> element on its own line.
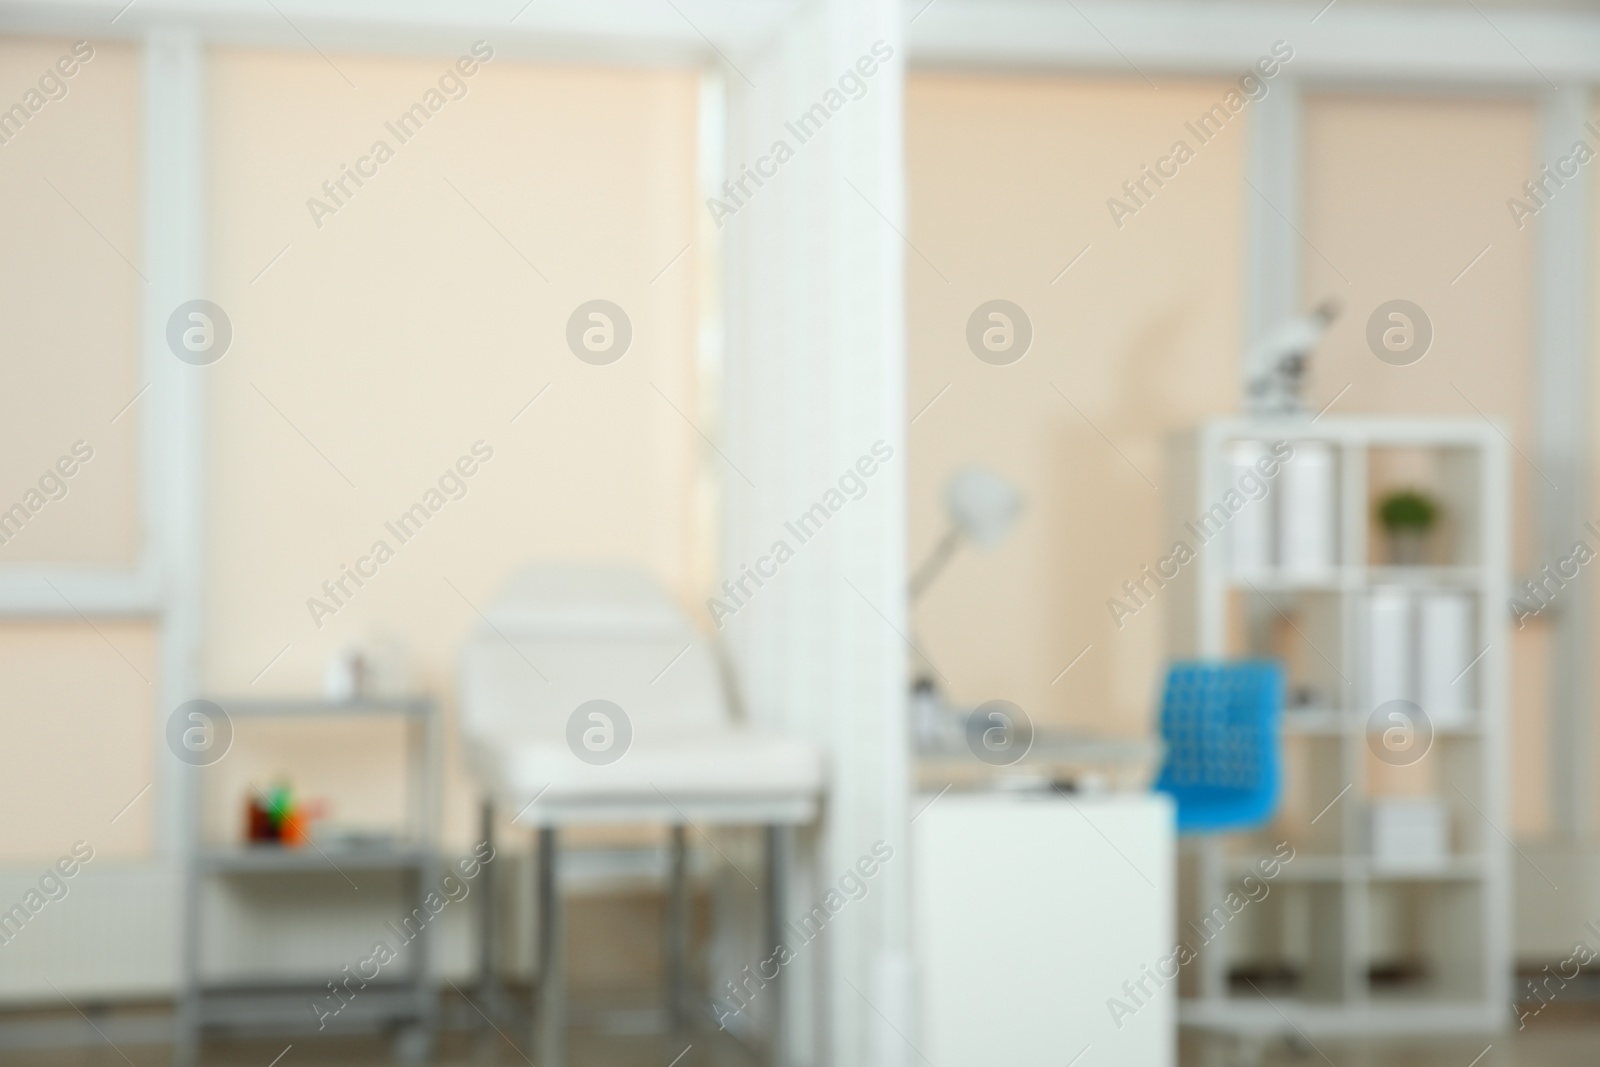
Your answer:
<point x="983" y="505"/>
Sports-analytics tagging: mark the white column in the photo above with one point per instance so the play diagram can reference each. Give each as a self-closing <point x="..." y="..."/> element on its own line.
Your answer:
<point x="815" y="377"/>
<point x="172" y="412"/>
<point x="1271" y="211"/>
<point x="1564" y="439"/>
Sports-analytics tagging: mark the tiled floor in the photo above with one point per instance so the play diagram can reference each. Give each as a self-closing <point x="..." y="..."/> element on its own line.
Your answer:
<point x="1567" y="1039"/>
<point x="457" y="1050"/>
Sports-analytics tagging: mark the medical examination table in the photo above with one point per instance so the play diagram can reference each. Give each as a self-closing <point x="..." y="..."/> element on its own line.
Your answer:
<point x="588" y="697"/>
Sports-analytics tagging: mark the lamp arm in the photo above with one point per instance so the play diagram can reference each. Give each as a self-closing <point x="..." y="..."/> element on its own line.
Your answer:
<point x="934" y="565"/>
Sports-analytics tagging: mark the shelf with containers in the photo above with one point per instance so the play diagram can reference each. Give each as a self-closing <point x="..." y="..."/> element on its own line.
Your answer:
<point x="1393" y="916"/>
<point x="312" y="894"/>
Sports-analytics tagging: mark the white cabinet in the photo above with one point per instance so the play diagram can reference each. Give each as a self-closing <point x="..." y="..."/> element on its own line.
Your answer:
<point x="1031" y="912"/>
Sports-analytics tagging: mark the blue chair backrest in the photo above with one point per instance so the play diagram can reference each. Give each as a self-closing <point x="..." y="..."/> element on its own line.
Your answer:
<point x="1219" y="722"/>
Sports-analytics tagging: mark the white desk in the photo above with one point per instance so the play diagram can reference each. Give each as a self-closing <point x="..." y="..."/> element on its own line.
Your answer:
<point x="1030" y="912"/>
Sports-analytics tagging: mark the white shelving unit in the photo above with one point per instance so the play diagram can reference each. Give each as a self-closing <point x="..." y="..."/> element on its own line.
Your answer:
<point x="1342" y="944"/>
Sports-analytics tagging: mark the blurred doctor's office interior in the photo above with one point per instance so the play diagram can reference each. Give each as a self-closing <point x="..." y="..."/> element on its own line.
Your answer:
<point x="801" y="532"/>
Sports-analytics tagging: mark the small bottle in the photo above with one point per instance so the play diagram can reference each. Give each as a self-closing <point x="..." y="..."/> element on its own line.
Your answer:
<point x="926" y="712"/>
<point x="257" y="819"/>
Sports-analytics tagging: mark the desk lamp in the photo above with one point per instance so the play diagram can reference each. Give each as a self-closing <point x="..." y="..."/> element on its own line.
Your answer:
<point x="982" y="507"/>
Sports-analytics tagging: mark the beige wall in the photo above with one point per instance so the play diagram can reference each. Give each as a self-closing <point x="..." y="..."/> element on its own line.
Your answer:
<point x="69" y="301"/>
<point x="78" y="724"/>
<point x="1009" y="179"/>
<point x="1400" y="196"/>
<point x="381" y="346"/>
<point x="79" y="707"/>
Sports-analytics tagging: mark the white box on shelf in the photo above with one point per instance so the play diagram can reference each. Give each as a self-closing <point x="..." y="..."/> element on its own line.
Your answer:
<point x="1306" y="510"/>
<point x="1250" y="533"/>
<point x="1444" y="650"/>
<point x="1408" y="833"/>
<point x="1388" y="646"/>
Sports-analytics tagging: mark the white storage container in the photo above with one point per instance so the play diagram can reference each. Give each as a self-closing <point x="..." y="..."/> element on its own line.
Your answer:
<point x="1389" y="646"/>
<point x="1408" y="833"/>
<point x="1250" y="533"/>
<point x="1444" y="649"/>
<point x="1307" y="515"/>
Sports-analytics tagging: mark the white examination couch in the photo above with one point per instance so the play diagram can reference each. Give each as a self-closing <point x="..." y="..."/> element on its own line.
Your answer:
<point x="588" y="697"/>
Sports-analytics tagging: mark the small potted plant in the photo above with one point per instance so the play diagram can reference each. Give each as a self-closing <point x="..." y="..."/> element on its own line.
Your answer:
<point x="1408" y="516"/>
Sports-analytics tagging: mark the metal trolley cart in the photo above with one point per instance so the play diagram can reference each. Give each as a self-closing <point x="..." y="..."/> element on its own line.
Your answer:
<point x="405" y="1005"/>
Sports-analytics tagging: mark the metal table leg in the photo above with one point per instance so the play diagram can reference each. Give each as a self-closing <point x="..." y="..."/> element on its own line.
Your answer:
<point x="186" y="1025"/>
<point x="550" y="1018"/>
<point x="416" y="1041"/>
<point x="488" y="975"/>
<point x="780" y="842"/>
<point x="678" y="932"/>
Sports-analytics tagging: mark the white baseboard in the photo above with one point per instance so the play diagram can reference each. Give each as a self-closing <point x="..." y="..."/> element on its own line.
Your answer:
<point x="116" y="936"/>
<point x="1556" y="891"/>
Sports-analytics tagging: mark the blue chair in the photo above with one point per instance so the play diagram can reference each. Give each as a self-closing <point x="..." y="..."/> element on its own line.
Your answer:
<point x="1219" y="722"/>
